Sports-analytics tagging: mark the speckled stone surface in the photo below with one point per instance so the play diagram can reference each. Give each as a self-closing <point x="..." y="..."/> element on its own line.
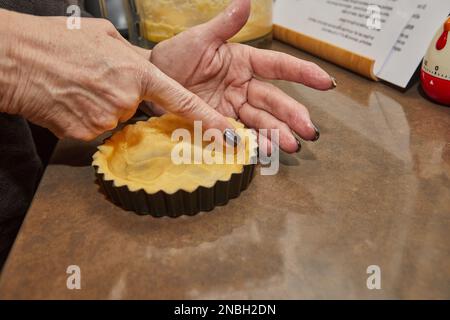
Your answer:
<point x="375" y="190"/>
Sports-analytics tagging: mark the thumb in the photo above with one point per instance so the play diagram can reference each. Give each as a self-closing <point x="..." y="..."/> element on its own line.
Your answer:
<point x="162" y="90"/>
<point x="228" y="23"/>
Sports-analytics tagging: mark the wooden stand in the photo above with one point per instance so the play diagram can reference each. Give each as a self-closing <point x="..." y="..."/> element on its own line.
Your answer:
<point x="342" y="57"/>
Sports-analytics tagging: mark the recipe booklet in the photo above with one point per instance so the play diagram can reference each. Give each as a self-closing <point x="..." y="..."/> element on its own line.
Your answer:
<point x="393" y="34"/>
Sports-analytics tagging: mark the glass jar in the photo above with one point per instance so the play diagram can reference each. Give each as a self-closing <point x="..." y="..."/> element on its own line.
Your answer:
<point x="159" y="20"/>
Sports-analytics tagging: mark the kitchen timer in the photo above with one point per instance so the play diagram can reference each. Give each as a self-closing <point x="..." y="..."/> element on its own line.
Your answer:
<point x="435" y="73"/>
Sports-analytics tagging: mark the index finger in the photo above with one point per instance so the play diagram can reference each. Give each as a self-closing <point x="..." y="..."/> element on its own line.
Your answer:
<point x="173" y="97"/>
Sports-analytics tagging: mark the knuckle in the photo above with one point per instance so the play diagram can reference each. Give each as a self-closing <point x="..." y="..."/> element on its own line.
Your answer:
<point x="300" y="116"/>
<point x="106" y="24"/>
<point x="103" y="25"/>
<point x="187" y="104"/>
<point x="266" y="96"/>
<point x="281" y="63"/>
<point x="80" y="134"/>
<point x="293" y="115"/>
<point x="310" y="68"/>
<point x="106" y="126"/>
<point x="260" y="123"/>
<point x="310" y="64"/>
<point x="88" y="136"/>
<point x="105" y="122"/>
<point x="148" y="75"/>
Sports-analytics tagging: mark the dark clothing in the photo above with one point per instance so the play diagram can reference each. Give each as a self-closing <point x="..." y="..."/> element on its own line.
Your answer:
<point x="20" y="169"/>
<point x="20" y="165"/>
<point x="38" y="7"/>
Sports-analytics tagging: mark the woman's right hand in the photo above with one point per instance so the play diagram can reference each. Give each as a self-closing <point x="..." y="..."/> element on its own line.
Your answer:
<point x="81" y="83"/>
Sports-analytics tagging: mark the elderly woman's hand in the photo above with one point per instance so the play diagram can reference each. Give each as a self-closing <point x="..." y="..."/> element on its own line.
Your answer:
<point x="81" y="83"/>
<point x="225" y="76"/>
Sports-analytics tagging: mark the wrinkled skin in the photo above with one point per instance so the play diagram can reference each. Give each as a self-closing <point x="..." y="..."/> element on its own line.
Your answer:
<point x="81" y="83"/>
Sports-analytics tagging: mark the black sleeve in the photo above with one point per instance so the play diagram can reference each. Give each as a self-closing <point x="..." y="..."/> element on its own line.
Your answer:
<point x="42" y="7"/>
<point x="20" y="171"/>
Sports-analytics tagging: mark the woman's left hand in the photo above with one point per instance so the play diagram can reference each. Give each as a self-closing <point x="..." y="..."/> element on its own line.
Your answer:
<point x="225" y="75"/>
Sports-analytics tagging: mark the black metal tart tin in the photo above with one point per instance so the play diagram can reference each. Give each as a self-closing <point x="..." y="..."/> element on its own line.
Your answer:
<point x="181" y="202"/>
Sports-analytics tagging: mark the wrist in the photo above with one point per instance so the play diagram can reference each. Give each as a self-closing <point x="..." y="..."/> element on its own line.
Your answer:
<point x="8" y="66"/>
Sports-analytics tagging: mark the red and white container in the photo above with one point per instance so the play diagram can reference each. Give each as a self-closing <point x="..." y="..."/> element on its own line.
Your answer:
<point x="435" y="73"/>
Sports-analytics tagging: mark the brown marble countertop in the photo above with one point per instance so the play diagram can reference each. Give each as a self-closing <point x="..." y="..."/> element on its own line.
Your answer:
<point x="375" y="190"/>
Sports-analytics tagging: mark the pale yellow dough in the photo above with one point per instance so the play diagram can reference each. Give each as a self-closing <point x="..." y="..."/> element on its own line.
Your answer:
<point x="139" y="157"/>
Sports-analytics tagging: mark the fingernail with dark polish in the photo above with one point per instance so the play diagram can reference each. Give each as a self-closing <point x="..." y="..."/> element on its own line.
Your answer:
<point x="317" y="136"/>
<point x="231" y="137"/>
<point x="333" y="82"/>
<point x="299" y="148"/>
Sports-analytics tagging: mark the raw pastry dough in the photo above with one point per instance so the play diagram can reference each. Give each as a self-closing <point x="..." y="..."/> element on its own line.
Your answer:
<point x="139" y="156"/>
